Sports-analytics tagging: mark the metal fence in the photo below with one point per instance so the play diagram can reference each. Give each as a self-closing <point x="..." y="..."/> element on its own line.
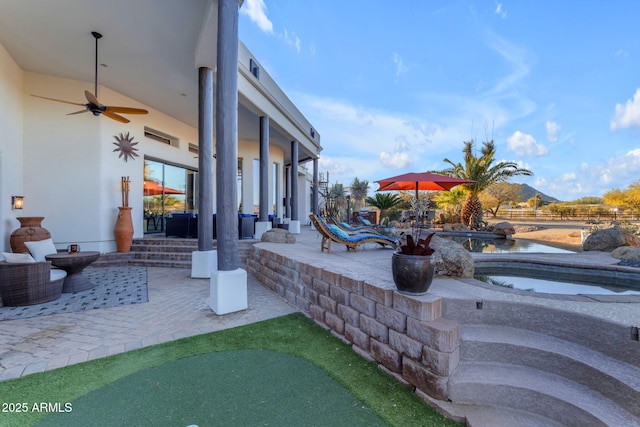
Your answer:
<point x="581" y="214"/>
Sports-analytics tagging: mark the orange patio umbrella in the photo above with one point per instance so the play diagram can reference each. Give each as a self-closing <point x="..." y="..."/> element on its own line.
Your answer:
<point x="152" y="188"/>
<point x="425" y="181"/>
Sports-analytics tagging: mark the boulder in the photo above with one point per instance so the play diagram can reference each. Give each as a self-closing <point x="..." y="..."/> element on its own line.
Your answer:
<point x="504" y="229"/>
<point x="447" y="227"/>
<point x="278" y="235"/>
<point x="630" y="253"/>
<point x="608" y="239"/>
<point x="461" y="227"/>
<point x="451" y="258"/>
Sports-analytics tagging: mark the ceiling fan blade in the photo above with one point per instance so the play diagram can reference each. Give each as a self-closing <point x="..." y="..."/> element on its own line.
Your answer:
<point x="115" y="116"/>
<point x="58" y="100"/>
<point x="91" y="98"/>
<point x="78" y="112"/>
<point x="126" y="110"/>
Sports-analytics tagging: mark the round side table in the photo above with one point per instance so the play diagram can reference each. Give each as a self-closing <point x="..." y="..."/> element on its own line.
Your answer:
<point x="73" y="264"/>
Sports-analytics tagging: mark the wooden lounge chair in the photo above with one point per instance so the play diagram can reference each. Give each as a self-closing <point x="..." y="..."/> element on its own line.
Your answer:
<point x="365" y="222"/>
<point x="331" y="233"/>
<point x="351" y="229"/>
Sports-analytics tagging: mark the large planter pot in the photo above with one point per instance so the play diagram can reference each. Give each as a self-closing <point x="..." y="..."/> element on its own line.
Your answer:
<point x="413" y="274"/>
<point x="123" y="230"/>
<point x="30" y="231"/>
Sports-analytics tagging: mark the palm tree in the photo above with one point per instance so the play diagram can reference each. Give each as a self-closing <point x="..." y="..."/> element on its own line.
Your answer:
<point x="359" y="191"/>
<point x="336" y="201"/>
<point x="481" y="170"/>
<point x="384" y="202"/>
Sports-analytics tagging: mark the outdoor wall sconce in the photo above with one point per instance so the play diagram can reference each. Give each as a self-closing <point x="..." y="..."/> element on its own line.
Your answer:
<point x="17" y="202"/>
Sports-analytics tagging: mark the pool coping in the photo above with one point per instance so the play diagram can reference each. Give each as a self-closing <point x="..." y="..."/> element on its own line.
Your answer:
<point x="498" y="259"/>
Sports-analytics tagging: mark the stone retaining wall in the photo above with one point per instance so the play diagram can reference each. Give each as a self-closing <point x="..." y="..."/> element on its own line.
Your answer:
<point x="405" y="335"/>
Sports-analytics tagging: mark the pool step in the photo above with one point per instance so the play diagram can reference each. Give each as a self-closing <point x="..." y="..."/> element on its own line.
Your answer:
<point x="570" y="367"/>
<point x="537" y="392"/>
<point x="618" y="381"/>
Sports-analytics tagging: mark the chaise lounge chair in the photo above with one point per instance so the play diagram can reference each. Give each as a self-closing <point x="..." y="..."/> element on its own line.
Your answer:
<point x="331" y="233"/>
<point x="365" y="222"/>
<point x="351" y="229"/>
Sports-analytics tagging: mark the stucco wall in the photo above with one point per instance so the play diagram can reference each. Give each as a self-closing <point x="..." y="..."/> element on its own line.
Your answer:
<point x="72" y="176"/>
<point x="11" y="119"/>
<point x="65" y="165"/>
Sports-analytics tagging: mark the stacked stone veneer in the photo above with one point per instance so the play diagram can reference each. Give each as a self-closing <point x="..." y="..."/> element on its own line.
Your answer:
<point x="405" y="335"/>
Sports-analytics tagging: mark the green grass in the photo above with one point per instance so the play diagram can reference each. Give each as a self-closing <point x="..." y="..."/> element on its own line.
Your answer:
<point x="294" y="335"/>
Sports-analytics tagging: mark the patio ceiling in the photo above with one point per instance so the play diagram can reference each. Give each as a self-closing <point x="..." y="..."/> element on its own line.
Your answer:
<point x="149" y="48"/>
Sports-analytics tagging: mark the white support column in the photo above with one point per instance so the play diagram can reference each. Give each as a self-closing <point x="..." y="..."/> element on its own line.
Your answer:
<point x="228" y="291"/>
<point x="203" y="264"/>
<point x="228" y="285"/>
<point x="294" y="224"/>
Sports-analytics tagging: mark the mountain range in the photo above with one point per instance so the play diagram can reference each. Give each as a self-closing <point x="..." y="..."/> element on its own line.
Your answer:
<point x="527" y="192"/>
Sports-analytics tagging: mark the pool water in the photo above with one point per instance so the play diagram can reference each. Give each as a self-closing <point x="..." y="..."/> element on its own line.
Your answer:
<point x="503" y="245"/>
<point x="556" y="287"/>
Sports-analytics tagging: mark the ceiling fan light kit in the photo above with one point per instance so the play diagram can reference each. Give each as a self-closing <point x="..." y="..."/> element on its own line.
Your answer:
<point x="93" y="105"/>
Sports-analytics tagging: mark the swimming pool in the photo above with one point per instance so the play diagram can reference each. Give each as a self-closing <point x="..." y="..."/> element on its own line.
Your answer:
<point x="554" y="279"/>
<point x="502" y="245"/>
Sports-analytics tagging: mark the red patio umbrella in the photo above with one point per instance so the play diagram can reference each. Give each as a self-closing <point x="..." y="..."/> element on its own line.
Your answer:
<point x="420" y="181"/>
<point x="152" y="188"/>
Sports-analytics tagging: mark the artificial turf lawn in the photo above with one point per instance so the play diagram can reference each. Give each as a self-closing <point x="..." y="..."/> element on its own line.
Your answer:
<point x="292" y="335"/>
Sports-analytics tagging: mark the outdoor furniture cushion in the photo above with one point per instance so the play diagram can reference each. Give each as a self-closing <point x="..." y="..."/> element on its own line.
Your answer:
<point x="364" y="221"/>
<point x="338" y="231"/>
<point x="39" y="249"/>
<point x="352" y="241"/>
<point x="14" y="258"/>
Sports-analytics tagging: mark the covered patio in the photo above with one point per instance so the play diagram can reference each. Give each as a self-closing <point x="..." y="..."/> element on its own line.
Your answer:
<point x="177" y="308"/>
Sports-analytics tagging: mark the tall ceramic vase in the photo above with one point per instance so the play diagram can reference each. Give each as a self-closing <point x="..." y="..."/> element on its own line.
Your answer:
<point x="123" y="230"/>
<point x="30" y="231"/>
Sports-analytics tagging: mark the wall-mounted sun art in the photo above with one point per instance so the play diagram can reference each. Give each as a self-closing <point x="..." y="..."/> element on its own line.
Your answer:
<point x="125" y="146"/>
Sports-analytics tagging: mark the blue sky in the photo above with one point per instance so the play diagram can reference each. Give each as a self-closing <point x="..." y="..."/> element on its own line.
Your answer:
<point x="396" y="87"/>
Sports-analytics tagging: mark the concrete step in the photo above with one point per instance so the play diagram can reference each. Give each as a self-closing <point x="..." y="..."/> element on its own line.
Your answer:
<point x="165" y="242"/>
<point x="534" y="391"/>
<point x="614" y="340"/>
<point x="177" y="253"/>
<point x="487" y="416"/>
<point x="160" y="263"/>
<point x="168" y="256"/>
<point x="618" y="381"/>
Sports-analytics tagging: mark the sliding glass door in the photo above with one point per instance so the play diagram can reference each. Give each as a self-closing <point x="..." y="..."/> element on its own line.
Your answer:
<point x="168" y="189"/>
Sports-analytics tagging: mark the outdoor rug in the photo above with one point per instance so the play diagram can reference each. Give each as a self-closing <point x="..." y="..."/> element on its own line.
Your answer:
<point x="113" y="286"/>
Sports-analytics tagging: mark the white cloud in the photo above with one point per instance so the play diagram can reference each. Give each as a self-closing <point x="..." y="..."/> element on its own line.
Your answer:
<point x="291" y="40"/>
<point x="553" y="129"/>
<point x="400" y="67"/>
<point x="333" y="166"/>
<point x="622" y="52"/>
<point x="518" y="59"/>
<point x="256" y="10"/>
<point x="525" y="145"/>
<point x="627" y="115"/>
<point x="540" y="183"/>
<point x="500" y="11"/>
<point x="400" y="157"/>
<point x="395" y="160"/>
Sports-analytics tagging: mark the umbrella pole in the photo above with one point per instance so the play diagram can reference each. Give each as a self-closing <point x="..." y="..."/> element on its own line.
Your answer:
<point x="417" y="205"/>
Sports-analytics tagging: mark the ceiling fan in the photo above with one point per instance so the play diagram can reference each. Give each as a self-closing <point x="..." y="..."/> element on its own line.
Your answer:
<point x="93" y="104"/>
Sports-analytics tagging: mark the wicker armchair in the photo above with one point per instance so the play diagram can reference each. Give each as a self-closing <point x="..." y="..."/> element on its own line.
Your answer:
<point x="29" y="283"/>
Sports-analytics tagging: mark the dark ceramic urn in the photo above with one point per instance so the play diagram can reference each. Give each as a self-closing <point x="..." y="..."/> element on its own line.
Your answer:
<point x="413" y="274"/>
